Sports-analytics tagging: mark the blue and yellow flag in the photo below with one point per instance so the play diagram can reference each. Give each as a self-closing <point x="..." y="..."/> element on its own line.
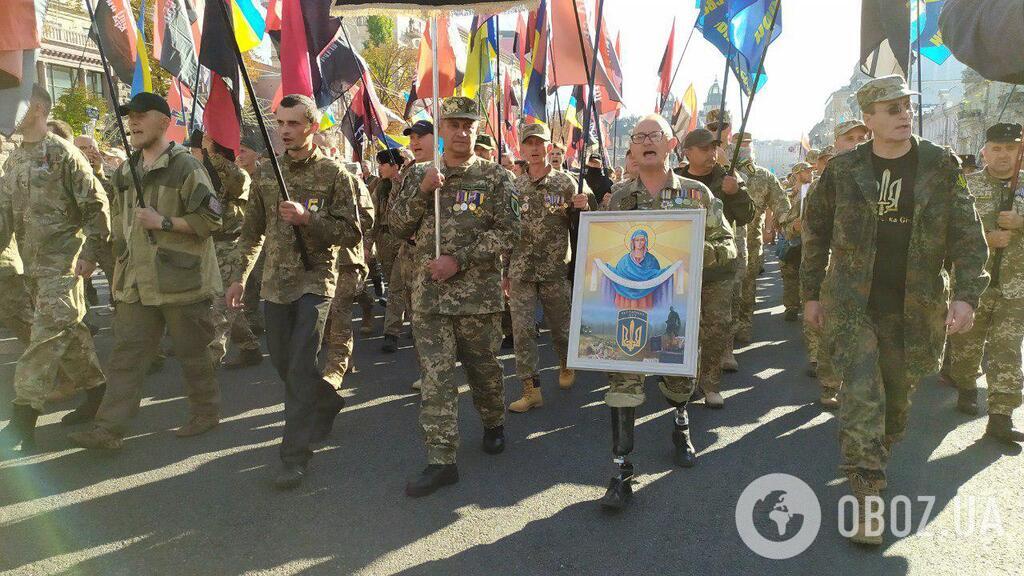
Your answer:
<point x="927" y="23"/>
<point x="535" y="102"/>
<point x="739" y="29"/>
<point x="249" y="22"/>
<point x="142" y="79"/>
<point x="483" y="48"/>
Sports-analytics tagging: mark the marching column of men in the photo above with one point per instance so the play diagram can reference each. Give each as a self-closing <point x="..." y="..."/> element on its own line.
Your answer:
<point x="873" y="229"/>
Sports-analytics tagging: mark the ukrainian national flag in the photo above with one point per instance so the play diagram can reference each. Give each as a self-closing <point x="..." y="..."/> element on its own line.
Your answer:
<point x="249" y="22"/>
<point x="535" y="102"/>
<point x="142" y="79"/>
<point x="482" y="49"/>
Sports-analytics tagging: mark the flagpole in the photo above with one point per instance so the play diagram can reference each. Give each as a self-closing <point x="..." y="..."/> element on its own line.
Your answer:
<point x="136" y="181"/>
<point x="920" y="91"/>
<point x="561" y="118"/>
<point x="437" y="156"/>
<point x="299" y="242"/>
<point x="195" y="98"/>
<point x="591" y="72"/>
<point x="615" y="141"/>
<point x="725" y="86"/>
<point x="757" y="79"/>
<point x="364" y="74"/>
<point x="679" y="62"/>
<point x="499" y="93"/>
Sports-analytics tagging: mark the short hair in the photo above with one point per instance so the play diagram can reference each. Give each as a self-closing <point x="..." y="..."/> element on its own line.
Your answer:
<point x="293" y="100"/>
<point x="60" y="128"/>
<point x="662" y="123"/>
<point x="521" y="163"/>
<point x="42" y="97"/>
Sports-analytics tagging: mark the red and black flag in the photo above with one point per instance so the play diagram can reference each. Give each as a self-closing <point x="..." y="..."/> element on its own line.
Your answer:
<point x="665" y="69"/>
<point x="114" y="23"/>
<point x="222" y="118"/>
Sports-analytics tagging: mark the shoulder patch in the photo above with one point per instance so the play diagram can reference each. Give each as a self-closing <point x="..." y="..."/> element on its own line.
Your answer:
<point x="961" y="181"/>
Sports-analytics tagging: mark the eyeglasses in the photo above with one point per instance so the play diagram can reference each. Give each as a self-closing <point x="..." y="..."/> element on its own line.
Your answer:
<point x="642" y="137"/>
<point x="897" y="108"/>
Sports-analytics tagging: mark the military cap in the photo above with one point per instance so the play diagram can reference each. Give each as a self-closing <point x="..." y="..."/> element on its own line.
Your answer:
<point x="800" y="167"/>
<point x="812" y="155"/>
<point x="484" y="141"/>
<point x="390" y="156"/>
<point x="744" y="137"/>
<point x="456" y="107"/>
<point x="420" y="128"/>
<point x="252" y="139"/>
<point x="845" y="127"/>
<point x="829" y="151"/>
<point x="700" y="137"/>
<point x="882" y="90"/>
<point x="715" y="115"/>
<point x="145" y="102"/>
<point x="1003" y="133"/>
<point x="535" y="131"/>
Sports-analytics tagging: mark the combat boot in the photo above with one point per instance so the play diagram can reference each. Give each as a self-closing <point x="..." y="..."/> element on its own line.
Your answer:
<point x="290" y="476"/>
<point x="812" y="369"/>
<point x="366" y="328"/>
<point x="792" y="315"/>
<point x="434" y="476"/>
<point x="867" y="527"/>
<point x="246" y="357"/>
<point x="684" y="454"/>
<point x="494" y="440"/>
<point x="390" y="344"/>
<point x="967" y="401"/>
<point x="96" y="439"/>
<point x="87" y="410"/>
<point x="566" y="377"/>
<point x="21" y="430"/>
<point x="325" y="416"/>
<point x="829" y="399"/>
<point x="729" y="363"/>
<point x="197" y="425"/>
<point x="531" y="397"/>
<point x="620" y="487"/>
<point x="1001" y="428"/>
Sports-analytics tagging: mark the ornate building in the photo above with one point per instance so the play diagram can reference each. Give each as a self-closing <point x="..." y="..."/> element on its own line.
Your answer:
<point x="68" y="57"/>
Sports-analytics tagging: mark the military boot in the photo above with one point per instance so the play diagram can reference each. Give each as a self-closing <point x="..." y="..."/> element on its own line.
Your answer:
<point x="20" y="432"/>
<point x="1001" y="428"/>
<point x="494" y="440"/>
<point x="96" y="439"/>
<point x="566" y="377"/>
<point x="729" y="363"/>
<point x="967" y="401"/>
<point x="434" y="476"/>
<point x="531" y="397"/>
<point x="868" y="527"/>
<point x="366" y="328"/>
<point x="620" y="487"/>
<point x="87" y="410"/>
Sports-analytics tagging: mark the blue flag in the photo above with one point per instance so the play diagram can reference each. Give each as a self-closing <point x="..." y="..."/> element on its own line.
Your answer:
<point x="739" y="29"/>
<point x="932" y="47"/>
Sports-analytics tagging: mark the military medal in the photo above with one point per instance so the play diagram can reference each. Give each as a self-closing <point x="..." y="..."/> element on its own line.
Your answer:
<point x="313" y="204"/>
<point x="458" y="206"/>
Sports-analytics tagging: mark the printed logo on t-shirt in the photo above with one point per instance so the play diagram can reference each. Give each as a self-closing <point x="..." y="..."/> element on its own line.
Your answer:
<point x="889" y="198"/>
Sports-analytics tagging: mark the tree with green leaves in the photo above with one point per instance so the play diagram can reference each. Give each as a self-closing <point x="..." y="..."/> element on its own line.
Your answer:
<point x="72" y="107"/>
<point x="381" y="29"/>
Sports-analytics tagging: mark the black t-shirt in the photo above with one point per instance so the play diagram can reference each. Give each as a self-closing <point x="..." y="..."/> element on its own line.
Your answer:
<point x="894" y="181"/>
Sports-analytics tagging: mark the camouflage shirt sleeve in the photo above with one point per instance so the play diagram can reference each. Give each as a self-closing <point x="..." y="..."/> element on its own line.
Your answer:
<point x="505" y="231"/>
<point x="778" y="200"/>
<point x="91" y="200"/>
<point x="719" y="245"/>
<point x="254" y="225"/>
<point x="338" y="225"/>
<point x="196" y="195"/>
<point x="968" y="247"/>
<point x="6" y="210"/>
<point x="410" y="206"/>
<point x="816" y="234"/>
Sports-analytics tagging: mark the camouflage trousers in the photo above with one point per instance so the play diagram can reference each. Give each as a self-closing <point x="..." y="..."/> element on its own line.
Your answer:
<point x="442" y="340"/>
<point x="790" y="284"/>
<point x="627" y="390"/>
<point x="58" y="340"/>
<point x="138" y="330"/>
<point x="252" y="310"/>
<point x="339" y="336"/>
<point x="874" y="401"/>
<point x="556" y="299"/>
<point x="818" y="351"/>
<point x="16" y="307"/>
<point x="737" y="284"/>
<point x="743" y="315"/>
<point x="226" y="320"/>
<point x="387" y="252"/>
<point x="998" y="330"/>
<point x="399" y="303"/>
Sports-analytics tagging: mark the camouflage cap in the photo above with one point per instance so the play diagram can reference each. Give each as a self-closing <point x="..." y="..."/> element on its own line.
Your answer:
<point x="459" y="107"/>
<point x="535" y="131"/>
<point x="845" y="127"/>
<point x="800" y="167"/>
<point x="746" y="137"/>
<point x="829" y="151"/>
<point x="882" y="90"/>
<point x="812" y="155"/>
<point x="484" y="141"/>
<point x="715" y="115"/>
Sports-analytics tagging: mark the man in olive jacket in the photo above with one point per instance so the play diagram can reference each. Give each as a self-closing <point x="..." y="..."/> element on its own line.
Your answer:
<point x="889" y="212"/>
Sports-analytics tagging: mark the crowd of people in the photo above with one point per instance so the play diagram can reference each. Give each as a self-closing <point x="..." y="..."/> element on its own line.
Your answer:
<point x="895" y="253"/>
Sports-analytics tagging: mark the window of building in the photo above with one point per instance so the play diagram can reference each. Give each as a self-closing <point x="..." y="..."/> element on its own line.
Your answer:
<point x="94" y="82"/>
<point x="59" y="79"/>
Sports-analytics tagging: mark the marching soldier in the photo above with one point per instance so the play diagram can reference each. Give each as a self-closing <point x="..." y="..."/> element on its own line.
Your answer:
<point x="165" y="275"/>
<point x="789" y="223"/>
<point x="999" y="324"/>
<point x="536" y="267"/>
<point x="57" y="211"/>
<point x="456" y="297"/>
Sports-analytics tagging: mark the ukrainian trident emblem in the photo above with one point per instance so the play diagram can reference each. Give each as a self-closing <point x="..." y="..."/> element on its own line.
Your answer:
<point x="632" y="331"/>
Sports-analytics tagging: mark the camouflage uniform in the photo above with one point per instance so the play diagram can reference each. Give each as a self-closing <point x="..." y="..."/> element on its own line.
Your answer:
<point x="881" y="356"/>
<point x="460" y="318"/>
<point x="627" y="390"/>
<point x="162" y="281"/>
<point x="399" y="295"/>
<point x="232" y="197"/>
<point x="766" y="193"/>
<point x="15" y="306"/>
<point x="790" y="270"/>
<point x="352" y="271"/>
<point x="537" y="266"/>
<point x="51" y="202"/>
<point x="999" y="323"/>
<point x="298" y="301"/>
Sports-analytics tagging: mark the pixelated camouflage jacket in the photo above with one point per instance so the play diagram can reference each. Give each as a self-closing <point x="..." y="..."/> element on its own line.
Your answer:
<point x="328" y="192"/>
<point x="991" y="194"/>
<point x="683" y="193"/>
<point x="839" y="234"/>
<point x="233" y="194"/>
<point x="54" y="206"/>
<point x="543" y="246"/>
<point x="479" y="221"/>
<point x="165" y="268"/>
<point x="764" y="189"/>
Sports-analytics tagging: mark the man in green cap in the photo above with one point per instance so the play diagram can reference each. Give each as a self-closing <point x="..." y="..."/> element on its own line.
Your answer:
<point x="850" y="134"/>
<point x="789" y="223"/>
<point x="456" y="295"/>
<point x="876" y="235"/>
<point x="536" y="266"/>
<point x="485" y="147"/>
<point x="999" y="324"/>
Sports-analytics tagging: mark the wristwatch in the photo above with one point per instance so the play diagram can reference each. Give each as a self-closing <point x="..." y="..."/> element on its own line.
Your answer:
<point x="167" y="225"/>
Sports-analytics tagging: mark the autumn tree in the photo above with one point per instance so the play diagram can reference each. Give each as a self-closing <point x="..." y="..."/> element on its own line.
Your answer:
<point x="393" y="69"/>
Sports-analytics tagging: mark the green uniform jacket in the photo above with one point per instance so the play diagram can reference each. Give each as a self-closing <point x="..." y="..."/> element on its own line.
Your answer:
<point x="479" y="222"/>
<point x="840" y="218"/>
<point x="764" y="188"/>
<point x="991" y="194"/>
<point x="52" y="203"/>
<point x="357" y="255"/>
<point x="175" y="268"/>
<point x="232" y="196"/>
<point x="683" y="193"/>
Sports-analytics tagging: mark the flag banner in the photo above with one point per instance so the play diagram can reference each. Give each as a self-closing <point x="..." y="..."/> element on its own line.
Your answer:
<point x="180" y="105"/>
<point x="449" y="56"/>
<point x="978" y="33"/>
<point x="215" y="52"/>
<point x="114" y="22"/>
<point x="738" y="28"/>
<point x="426" y="8"/>
<point x="250" y="24"/>
<point x="142" y="78"/>
<point x="173" y="44"/>
<point x="610" y="56"/>
<point x="296" y="76"/>
<point x="321" y="31"/>
<point x="884" y="41"/>
<point x="665" y="69"/>
<point x="690" y="101"/>
<point x="932" y="47"/>
<point x="23" y="50"/>
<point x="482" y="52"/>
<point x="222" y="116"/>
<point x="536" y="99"/>
<point x="16" y="37"/>
<point x="567" y="66"/>
<point x="339" y="67"/>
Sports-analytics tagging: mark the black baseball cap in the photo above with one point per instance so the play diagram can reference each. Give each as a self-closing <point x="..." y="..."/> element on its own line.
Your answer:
<point x="699" y="137"/>
<point x="421" y="128"/>
<point x="1004" y="133"/>
<point x="144" y="102"/>
<point x="390" y="156"/>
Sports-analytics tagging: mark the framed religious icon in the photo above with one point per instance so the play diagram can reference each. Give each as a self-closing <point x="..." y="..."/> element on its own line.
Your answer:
<point x="636" y="294"/>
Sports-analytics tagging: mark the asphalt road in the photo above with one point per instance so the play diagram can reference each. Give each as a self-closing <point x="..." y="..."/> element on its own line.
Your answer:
<point x="205" y="505"/>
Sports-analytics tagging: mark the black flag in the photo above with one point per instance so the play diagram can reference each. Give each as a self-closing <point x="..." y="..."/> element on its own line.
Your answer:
<point x="884" y="37"/>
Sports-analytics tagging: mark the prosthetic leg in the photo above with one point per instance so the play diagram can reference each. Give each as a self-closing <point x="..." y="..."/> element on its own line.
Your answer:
<point x="684" y="454"/>
<point x="620" y="488"/>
